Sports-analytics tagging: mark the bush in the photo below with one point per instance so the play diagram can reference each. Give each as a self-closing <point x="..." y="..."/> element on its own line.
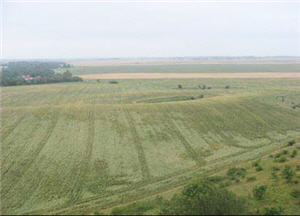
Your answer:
<point x="215" y="179"/>
<point x="281" y="159"/>
<point x="298" y="168"/>
<point x="255" y="163"/>
<point x="277" y="155"/>
<point x="227" y="87"/>
<point x="275" y="168"/>
<point x="204" y="198"/>
<point x="180" y="86"/>
<point x="259" y="192"/>
<point x="259" y="168"/>
<point x="273" y="210"/>
<point x="274" y="176"/>
<point x="236" y="172"/>
<point x="288" y="173"/>
<point x="294" y="153"/>
<point x="137" y="208"/>
<point x="285" y="152"/>
<point x="295" y="193"/>
<point x="271" y="155"/>
<point x="291" y="142"/>
<point x="113" y="82"/>
<point x="251" y="179"/>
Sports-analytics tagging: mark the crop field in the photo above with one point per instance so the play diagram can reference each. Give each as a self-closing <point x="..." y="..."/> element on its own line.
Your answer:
<point x="187" y="68"/>
<point x="112" y="76"/>
<point x="73" y="148"/>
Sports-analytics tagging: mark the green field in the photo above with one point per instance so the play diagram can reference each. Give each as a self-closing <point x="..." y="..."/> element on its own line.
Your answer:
<point x="74" y="148"/>
<point x="186" y="68"/>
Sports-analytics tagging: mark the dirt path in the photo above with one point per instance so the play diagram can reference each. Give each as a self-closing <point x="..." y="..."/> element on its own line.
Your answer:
<point x="293" y="75"/>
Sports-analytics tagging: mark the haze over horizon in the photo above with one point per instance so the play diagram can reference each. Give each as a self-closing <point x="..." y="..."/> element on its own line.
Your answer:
<point x="148" y="30"/>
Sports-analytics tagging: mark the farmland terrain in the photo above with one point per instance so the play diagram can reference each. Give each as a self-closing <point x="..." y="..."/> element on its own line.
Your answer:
<point x="71" y="148"/>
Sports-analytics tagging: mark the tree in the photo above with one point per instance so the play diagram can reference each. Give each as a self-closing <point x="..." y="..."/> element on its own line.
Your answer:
<point x="204" y="198"/>
<point x="67" y="75"/>
<point x="259" y="192"/>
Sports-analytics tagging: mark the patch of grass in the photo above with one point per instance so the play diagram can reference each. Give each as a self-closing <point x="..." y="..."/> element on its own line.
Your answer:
<point x="170" y="99"/>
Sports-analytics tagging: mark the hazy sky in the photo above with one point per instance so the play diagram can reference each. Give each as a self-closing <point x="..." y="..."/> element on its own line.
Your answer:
<point x="101" y="30"/>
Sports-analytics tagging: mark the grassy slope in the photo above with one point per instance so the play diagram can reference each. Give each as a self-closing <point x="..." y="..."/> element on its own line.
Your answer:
<point x="278" y="190"/>
<point x="93" y="147"/>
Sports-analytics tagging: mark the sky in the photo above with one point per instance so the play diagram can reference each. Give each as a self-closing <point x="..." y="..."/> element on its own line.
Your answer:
<point x="40" y="30"/>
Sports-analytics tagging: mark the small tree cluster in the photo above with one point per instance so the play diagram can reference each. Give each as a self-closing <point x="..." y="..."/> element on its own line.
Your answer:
<point x="204" y="199"/>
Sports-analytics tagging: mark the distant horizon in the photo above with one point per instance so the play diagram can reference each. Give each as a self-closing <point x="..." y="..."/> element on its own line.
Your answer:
<point x="155" y="57"/>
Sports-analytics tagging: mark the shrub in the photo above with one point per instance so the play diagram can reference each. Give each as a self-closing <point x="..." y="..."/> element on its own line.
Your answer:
<point x="251" y="179"/>
<point x="273" y="210"/>
<point x="281" y="159"/>
<point x="259" y="168"/>
<point x="298" y="168"/>
<point x="291" y="142"/>
<point x="113" y="82"/>
<point x="255" y="163"/>
<point x="259" y="192"/>
<point x="137" y="208"/>
<point x="294" y="153"/>
<point x="227" y="87"/>
<point x="215" y="179"/>
<point x="285" y="152"/>
<point x="275" y="168"/>
<point x="180" y="86"/>
<point x="295" y="193"/>
<point x="288" y="173"/>
<point x="274" y="176"/>
<point x="271" y="155"/>
<point x="200" y="96"/>
<point x="236" y="172"/>
<point x="204" y="198"/>
<point x="277" y="155"/>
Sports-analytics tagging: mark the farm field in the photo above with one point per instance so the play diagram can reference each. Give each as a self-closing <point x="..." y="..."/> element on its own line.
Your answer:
<point x="177" y="67"/>
<point x="110" y="76"/>
<point x="74" y="148"/>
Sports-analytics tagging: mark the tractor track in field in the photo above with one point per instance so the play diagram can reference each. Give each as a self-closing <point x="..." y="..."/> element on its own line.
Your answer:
<point x="79" y="184"/>
<point x="64" y="210"/>
<point x="190" y="150"/>
<point x="228" y="139"/>
<point x="31" y="159"/>
<point x="12" y="128"/>
<point x="138" y="147"/>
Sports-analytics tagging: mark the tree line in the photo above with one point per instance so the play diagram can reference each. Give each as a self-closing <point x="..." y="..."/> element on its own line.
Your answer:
<point x="28" y="73"/>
